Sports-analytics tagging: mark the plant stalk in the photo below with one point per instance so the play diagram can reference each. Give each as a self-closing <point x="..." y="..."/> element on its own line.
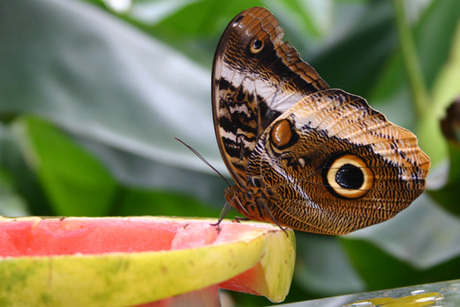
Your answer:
<point x="411" y="61"/>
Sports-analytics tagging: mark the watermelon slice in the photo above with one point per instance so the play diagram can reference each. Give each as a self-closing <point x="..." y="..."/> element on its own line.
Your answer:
<point x="130" y="261"/>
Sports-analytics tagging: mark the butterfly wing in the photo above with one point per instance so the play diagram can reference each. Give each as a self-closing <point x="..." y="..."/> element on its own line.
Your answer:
<point x="303" y="155"/>
<point x="256" y="77"/>
<point x="336" y="165"/>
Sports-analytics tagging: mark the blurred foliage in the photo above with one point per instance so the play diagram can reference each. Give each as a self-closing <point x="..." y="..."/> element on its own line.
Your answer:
<point x="449" y="194"/>
<point x="92" y="95"/>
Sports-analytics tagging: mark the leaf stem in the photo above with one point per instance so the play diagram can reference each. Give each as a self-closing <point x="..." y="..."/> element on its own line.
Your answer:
<point x="411" y="62"/>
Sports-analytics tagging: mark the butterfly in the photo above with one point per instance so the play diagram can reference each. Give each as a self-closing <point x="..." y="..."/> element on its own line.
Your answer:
<point x="304" y="155"/>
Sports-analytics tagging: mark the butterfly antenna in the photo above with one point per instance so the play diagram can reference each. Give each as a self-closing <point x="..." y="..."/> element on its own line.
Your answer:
<point x="203" y="159"/>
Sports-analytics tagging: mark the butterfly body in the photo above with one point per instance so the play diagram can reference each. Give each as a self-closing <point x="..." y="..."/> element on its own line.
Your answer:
<point x="303" y="155"/>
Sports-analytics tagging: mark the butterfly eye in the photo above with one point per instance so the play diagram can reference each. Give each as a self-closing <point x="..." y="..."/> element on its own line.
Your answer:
<point x="256" y="45"/>
<point x="350" y="177"/>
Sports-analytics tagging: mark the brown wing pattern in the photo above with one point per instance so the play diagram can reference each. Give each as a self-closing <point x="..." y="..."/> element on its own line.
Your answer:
<point x="256" y="77"/>
<point x="324" y="128"/>
<point x="303" y="155"/>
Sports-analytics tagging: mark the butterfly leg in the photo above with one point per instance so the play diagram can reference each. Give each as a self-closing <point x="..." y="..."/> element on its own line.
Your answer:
<point x="222" y="215"/>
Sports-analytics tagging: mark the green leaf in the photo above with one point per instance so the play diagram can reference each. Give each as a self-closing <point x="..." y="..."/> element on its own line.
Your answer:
<point x="449" y="194"/>
<point x="109" y="85"/>
<point x="76" y="182"/>
<point x="378" y="269"/>
<point x="323" y="266"/>
<point x="354" y="56"/>
<point x="138" y="171"/>
<point x="423" y="235"/>
<point x="12" y="203"/>
<point x="441" y="65"/>
<point x="435" y="35"/>
<point x="382" y="271"/>
<point x="447" y="88"/>
<point x="21" y="181"/>
<point x="99" y="78"/>
<point x="157" y="202"/>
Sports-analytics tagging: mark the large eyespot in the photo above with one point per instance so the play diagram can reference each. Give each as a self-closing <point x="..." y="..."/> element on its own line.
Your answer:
<point x="256" y="45"/>
<point x="349" y="176"/>
<point x="283" y="135"/>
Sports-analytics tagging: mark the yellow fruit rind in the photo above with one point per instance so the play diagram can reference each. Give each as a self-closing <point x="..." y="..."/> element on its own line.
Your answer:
<point x="123" y="279"/>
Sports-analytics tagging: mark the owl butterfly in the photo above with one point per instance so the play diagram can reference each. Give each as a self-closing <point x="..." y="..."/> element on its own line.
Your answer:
<point x="304" y="155"/>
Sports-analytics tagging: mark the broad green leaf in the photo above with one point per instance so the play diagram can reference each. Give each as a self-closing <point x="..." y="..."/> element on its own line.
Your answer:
<point x="20" y="176"/>
<point x="323" y="266"/>
<point x="138" y="171"/>
<point x="380" y="270"/>
<point x="139" y="202"/>
<point x="438" y="42"/>
<point x="446" y="87"/>
<point x="108" y="84"/>
<point x="423" y="235"/>
<point x="76" y="183"/>
<point x="193" y="27"/>
<point x="445" y="90"/>
<point x="100" y="78"/>
<point x="354" y="56"/>
<point x="435" y="34"/>
<point x="11" y="202"/>
<point x="449" y="194"/>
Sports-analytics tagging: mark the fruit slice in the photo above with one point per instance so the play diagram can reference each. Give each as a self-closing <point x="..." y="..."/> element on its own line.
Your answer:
<point x="129" y="261"/>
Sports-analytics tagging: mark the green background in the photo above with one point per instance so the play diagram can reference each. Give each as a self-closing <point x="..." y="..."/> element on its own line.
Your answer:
<point x="92" y="96"/>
